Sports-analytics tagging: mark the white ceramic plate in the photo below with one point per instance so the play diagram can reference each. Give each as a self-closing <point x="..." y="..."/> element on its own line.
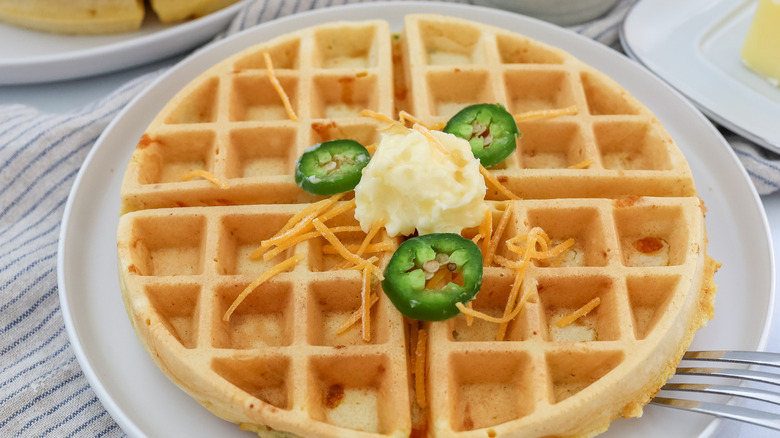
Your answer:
<point x="696" y="49"/>
<point x="40" y="57"/>
<point x="145" y="403"/>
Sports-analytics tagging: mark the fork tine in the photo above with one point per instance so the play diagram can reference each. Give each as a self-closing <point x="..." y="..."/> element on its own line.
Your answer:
<point x="756" y="376"/>
<point x="738" y="413"/>
<point x="746" y="357"/>
<point x="738" y="391"/>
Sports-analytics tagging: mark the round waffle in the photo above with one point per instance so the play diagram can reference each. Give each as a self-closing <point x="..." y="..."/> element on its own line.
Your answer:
<point x="279" y="365"/>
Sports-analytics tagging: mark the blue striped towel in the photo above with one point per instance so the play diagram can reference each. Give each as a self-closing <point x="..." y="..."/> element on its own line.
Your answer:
<point x="43" y="391"/>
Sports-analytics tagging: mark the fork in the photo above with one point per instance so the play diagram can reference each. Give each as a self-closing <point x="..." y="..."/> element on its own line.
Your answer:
<point x="747" y="415"/>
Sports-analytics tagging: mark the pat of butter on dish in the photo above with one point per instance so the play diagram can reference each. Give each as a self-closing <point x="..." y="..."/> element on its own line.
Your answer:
<point x="412" y="184"/>
<point x="761" y="50"/>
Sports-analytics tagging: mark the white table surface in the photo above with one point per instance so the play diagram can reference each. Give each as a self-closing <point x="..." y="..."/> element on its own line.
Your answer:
<point x="59" y="97"/>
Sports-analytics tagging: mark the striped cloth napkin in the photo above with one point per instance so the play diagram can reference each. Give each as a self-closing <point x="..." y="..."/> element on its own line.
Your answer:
<point x="43" y="391"/>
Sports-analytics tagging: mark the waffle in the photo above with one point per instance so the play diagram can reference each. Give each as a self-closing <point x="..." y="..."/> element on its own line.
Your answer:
<point x="279" y="367"/>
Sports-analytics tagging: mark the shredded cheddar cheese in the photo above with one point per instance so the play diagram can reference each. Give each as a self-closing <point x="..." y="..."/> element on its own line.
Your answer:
<point x="404" y="116"/>
<point x="294" y="240"/>
<point x="554" y="252"/>
<point x="568" y="111"/>
<point x="492" y="245"/>
<point x="217" y="181"/>
<point x="370" y="235"/>
<point x="356" y="315"/>
<point x="584" y="164"/>
<point x="377" y="116"/>
<point x="335" y="211"/>
<point x="340" y="248"/>
<point x="286" y="244"/>
<point x="281" y="267"/>
<point x="318" y="206"/>
<point x="365" y="293"/>
<point x="536" y="246"/>
<point x="298" y="224"/>
<point x="283" y="240"/>
<point x="431" y="139"/>
<point x="579" y="313"/>
<point x="513" y="307"/>
<point x="269" y="66"/>
<point x="470" y="312"/>
<point x="419" y="368"/>
<point x="486" y="229"/>
<point x="494" y="181"/>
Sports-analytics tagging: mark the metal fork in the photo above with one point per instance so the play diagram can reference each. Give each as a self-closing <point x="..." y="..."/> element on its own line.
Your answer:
<point x="747" y="415"/>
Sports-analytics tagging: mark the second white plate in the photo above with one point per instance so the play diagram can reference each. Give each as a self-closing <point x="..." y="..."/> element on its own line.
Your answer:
<point x="697" y="50"/>
<point x="146" y="404"/>
<point x="40" y="57"/>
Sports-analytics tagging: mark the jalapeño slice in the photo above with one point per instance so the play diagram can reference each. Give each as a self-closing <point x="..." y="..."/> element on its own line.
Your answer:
<point x="331" y="167"/>
<point x="490" y="130"/>
<point x="417" y="259"/>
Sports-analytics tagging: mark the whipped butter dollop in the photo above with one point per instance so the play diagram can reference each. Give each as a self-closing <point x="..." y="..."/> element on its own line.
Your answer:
<point x="411" y="183"/>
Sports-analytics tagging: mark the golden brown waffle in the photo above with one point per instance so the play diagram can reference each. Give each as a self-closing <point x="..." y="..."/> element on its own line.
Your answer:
<point x="278" y="364"/>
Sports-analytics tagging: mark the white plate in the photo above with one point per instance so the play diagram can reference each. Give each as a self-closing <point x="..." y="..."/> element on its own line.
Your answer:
<point x="39" y="57"/>
<point x="696" y="49"/>
<point x="145" y="403"/>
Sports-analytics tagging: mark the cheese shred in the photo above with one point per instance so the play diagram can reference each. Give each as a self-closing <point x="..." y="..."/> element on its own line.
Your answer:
<point x="486" y="229"/>
<point x="281" y="267"/>
<point x="545" y="114"/>
<point x="356" y="315"/>
<point x="297" y="224"/>
<point x="375" y="227"/>
<point x="584" y="164"/>
<point x="419" y="368"/>
<point x="431" y="139"/>
<point x="579" y="313"/>
<point x="210" y="177"/>
<point x="536" y="245"/>
<point x="365" y="294"/>
<point x="377" y="116"/>
<point x="341" y="249"/>
<point x="492" y="245"/>
<point x="404" y="116"/>
<point x="269" y="66"/>
<point x="489" y="177"/>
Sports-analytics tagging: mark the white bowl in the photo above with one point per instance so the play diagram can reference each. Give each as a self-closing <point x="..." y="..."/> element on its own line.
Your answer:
<point x="560" y="12"/>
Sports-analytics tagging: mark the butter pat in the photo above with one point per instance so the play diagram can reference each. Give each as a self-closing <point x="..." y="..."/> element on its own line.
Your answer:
<point x="761" y="51"/>
<point x="411" y="183"/>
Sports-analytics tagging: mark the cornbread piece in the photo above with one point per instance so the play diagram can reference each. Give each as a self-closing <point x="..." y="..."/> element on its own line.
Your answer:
<point x="603" y="325"/>
<point x="74" y="16"/>
<point x="176" y="10"/>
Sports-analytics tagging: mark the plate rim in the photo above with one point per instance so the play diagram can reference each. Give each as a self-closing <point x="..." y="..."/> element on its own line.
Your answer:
<point x="92" y="376"/>
<point x="712" y="113"/>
